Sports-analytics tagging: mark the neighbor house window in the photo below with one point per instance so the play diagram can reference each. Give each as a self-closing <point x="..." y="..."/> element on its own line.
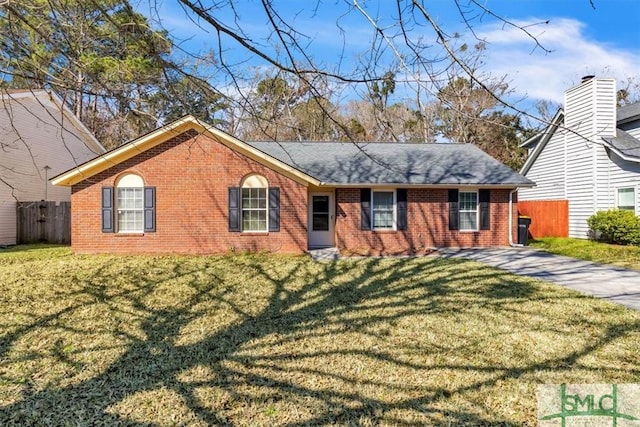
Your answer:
<point x="383" y="210"/>
<point x="130" y="204"/>
<point x="627" y="199"/>
<point x="468" y="210"/>
<point x="255" y="209"/>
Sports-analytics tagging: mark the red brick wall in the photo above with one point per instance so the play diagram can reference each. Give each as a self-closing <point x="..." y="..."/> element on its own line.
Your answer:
<point x="427" y="219"/>
<point x="191" y="174"/>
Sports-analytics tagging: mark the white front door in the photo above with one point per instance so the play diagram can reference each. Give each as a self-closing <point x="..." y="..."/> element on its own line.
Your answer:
<point x="321" y="220"/>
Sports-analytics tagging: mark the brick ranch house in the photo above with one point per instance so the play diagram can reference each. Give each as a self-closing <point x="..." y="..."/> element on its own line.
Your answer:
<point x="190" y="188"/>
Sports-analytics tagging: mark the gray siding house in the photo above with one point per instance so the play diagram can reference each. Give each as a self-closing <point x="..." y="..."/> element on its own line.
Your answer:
<point x="39" y="138"/>
<point x="589" y="155"/>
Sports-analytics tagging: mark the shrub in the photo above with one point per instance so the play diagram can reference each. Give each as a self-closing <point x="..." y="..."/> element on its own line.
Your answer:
<point x="615" y="226"/>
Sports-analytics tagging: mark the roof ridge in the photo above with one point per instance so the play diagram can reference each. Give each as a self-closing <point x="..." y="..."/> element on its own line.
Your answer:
<point x="361" y="142"/>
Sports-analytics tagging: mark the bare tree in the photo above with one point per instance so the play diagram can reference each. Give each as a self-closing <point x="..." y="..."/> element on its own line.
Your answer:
<point x="629" y="92"/>
<point x="410" y="45"/>
<point x="123" y="87"/>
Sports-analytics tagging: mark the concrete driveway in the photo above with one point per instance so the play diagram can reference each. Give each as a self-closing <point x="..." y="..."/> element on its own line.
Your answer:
<point x="615" y="284"/>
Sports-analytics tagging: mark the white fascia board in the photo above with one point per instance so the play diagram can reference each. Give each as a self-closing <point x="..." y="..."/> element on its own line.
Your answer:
<point x="546" y="136"/>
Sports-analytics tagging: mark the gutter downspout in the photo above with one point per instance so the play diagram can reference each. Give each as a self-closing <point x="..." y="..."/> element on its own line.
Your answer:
<point x="513" y="245"/>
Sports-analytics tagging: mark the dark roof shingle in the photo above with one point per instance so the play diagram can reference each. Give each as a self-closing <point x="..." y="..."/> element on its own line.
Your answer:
<point x="625" y="143"/>
<point x="393" y="163"/>
<point x="628" y="113"/>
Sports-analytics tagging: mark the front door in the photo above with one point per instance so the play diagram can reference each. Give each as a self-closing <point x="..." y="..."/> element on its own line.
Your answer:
<point x="321" y="220"/>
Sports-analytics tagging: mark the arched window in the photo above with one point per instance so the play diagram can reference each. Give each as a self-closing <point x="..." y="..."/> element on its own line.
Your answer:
<point x="254" y="203"/>
<point x="130" y="204"/>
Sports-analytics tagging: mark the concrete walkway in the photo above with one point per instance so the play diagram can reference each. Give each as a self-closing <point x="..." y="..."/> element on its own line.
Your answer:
<point x="615" y="284"/>
<point x="324" y="254"/>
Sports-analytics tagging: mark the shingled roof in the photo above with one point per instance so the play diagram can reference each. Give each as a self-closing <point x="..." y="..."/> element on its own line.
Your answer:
<point x="625" y="144"/>
<point x="628" y="113"/>
<point x="335" y="163"/>
<point x="331" y="163"/>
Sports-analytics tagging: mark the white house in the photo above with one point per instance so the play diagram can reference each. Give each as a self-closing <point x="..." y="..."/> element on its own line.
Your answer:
<point x="588" y="155"/>
<point x="39" y="138"/>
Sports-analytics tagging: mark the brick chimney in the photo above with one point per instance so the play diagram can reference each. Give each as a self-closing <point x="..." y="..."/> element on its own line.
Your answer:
<point x="590" y="108"/>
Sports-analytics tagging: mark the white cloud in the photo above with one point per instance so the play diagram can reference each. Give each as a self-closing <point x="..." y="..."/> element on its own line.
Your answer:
<point x="540" y="75"/>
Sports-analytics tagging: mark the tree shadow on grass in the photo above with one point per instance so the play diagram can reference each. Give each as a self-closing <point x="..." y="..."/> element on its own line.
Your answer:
<point x="284" y="341"/>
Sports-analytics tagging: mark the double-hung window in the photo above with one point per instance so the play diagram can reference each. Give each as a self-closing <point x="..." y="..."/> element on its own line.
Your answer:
<point x="254" y="204"/>
<point x="130" y="204"/>
<point x="627" y="199"/>
<point x="468" y="210"/>
<point x="383" y="210"/>
<point x="254" y="209"/>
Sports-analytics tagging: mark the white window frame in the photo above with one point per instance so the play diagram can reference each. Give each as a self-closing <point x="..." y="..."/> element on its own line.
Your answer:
<point x="635" y="195"/>
<point x="126" y="183"/>
<point x="254" y="182"/>
<point x="395" y="209"/>
<point x="476" y="210"/>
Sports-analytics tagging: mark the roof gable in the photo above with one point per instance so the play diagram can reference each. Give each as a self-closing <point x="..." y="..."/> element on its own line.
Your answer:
<point x="332" y="163"/>
<point x="623" y="144"/>
<point x="47" y="107"/>
<point x="163" y="134"/>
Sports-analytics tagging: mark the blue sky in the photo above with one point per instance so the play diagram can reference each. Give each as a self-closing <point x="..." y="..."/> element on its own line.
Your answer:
<point x="604" y="41"/>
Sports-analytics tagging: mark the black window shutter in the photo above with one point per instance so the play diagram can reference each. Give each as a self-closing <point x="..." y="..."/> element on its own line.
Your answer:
<point x="365" y="209"/>
<point x="274" y="209"/>
<point x="453" y="210"/>
<point x="149" y="209"/>
<point x="401" y="203"/>
<point x="107" y="210"/>
<point x="234" y="209"/>
<point x="483" y="196"/>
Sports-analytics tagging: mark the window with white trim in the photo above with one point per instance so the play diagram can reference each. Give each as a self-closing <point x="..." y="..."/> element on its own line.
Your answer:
<point x="130" y="204"/>
<point x="627" y="199"/>
<point x="254" y="204"/>
<point x="468" y="210"/>
<point x="383" y="210"/>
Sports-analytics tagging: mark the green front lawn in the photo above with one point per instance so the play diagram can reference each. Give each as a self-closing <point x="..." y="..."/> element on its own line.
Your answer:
<point x="623" y="256"/>
<point x="273" y="340"/>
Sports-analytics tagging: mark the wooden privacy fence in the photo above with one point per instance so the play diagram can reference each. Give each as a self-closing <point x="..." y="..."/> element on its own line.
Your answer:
<point x="44" y="222"/>
<point x="549" y="218"/>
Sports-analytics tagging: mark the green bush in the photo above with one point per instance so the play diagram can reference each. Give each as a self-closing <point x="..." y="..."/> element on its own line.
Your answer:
<point x="615" y="226"/>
